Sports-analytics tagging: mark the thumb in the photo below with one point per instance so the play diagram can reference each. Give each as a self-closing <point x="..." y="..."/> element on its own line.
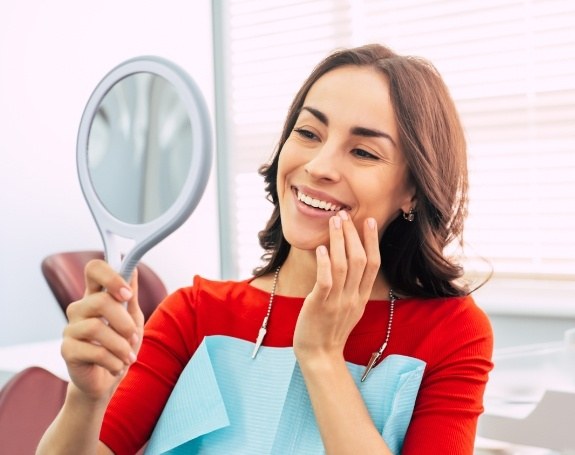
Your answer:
<point x="133" y="306"/>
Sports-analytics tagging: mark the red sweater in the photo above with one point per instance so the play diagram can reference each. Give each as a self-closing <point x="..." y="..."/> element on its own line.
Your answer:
<point x="452" y="335"/>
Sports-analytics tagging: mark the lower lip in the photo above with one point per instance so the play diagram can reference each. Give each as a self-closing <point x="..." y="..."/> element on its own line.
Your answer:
<point x="312" y="211"/>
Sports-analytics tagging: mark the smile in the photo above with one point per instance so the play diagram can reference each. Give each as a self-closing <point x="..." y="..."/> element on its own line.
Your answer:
<point x="317" y="203"/>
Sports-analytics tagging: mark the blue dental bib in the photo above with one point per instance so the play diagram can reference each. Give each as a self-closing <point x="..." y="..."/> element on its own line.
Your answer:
<point x="225" y="402"/>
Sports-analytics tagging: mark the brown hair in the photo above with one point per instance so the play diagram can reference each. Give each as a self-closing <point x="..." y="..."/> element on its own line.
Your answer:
<point x="432" y="140"/>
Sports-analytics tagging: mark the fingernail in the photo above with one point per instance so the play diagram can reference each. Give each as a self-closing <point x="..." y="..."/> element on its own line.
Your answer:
<point x="343" y="214"/>
<point x="336" y="222"/>
<point x="125" y="293"/>
<point x="322" y="250"/>
<point x="371" y="223"/>
<point x="131" y="357"/>
<point x="134" y="340"/>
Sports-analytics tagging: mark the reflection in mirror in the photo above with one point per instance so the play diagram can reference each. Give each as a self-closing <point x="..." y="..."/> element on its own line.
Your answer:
<point x="140" y="137"/>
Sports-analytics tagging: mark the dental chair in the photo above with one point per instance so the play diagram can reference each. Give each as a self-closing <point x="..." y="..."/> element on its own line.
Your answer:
<point x="64" y="273"/>
<point x="29" y="402"/>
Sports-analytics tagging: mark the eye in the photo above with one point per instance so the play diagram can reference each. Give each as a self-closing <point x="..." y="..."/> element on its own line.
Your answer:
<point x="360" y="153"/>
<point x="306" y="134"/>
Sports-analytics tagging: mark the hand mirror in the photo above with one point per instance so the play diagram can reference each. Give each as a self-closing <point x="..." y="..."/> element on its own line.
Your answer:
<point x="143" y="156"/>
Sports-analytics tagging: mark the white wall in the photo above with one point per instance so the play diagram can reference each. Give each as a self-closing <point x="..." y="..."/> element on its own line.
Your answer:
<point x="52" y="55"/>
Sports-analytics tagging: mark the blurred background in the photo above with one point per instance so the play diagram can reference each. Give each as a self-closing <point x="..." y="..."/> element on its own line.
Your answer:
<point x="510" y="65"/>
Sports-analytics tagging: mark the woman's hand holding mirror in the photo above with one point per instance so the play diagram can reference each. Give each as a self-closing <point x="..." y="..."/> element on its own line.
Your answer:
<point x="102" y="339"/>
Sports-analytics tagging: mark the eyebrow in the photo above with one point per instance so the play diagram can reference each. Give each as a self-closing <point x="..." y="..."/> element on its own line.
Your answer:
<point x="356" y="130"/>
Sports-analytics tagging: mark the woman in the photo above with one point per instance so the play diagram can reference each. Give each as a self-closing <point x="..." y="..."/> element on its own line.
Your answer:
<point x="369" y="187"/>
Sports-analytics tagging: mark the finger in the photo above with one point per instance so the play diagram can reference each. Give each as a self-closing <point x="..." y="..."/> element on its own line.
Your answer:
<point x="355" y="253"/>
<point x="103" y="306"/>
<point x="96" y="331"/>
<point x="134" y="309"/>
<point x="134" y="281"/>
<point x="337" y="254"/>
<point x="373" y="256"/>
<point x="82" y="352"/>
<point x="99" y="275"/>
<point x="323" y="282"/>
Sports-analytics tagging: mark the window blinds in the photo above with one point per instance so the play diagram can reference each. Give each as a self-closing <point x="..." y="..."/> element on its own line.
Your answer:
<point x="510" y="66"/>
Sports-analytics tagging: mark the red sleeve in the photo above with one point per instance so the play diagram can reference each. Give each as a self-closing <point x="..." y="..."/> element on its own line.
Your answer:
<point x="450" y="399"/>
<point x="170" y="338"/>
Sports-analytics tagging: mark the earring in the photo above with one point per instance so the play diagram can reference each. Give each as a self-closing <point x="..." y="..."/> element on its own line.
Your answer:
<point x="410" y="216"/>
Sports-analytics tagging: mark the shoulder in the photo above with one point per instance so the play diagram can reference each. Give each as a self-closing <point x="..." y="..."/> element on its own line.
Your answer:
<point x="214" y="299"/>
<point x="462" y="311"/>
<point x="472" y="321"/>
<point x="464" y="320"/>
<point x="458" y="311"/>
<point x="205" y="307"/>
<point x="445" y="325"/>
<point x="468" y="324"/>
<point x="205" y="289"/>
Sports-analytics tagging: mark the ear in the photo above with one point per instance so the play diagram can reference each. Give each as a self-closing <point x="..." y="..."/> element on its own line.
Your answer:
<point x="410" y="200"/>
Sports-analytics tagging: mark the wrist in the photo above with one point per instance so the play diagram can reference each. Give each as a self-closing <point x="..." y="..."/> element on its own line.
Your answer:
<point x="79" y="399"/>
<point x="320" y="361"/>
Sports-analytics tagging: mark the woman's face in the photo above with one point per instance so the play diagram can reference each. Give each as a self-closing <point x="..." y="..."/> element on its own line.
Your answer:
<point x="342" y="154"/>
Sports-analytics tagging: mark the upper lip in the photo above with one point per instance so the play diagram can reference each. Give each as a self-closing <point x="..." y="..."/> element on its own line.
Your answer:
<point x="320" y="195"/>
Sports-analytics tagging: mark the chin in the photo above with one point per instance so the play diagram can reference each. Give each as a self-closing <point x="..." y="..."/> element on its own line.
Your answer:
<point x="303" y="242"/>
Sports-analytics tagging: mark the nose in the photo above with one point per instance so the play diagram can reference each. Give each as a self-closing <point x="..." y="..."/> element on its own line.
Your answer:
<point x="324" y="164"/>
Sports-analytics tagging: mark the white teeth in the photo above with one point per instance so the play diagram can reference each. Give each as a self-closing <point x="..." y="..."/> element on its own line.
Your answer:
<point x="328" y="206"/>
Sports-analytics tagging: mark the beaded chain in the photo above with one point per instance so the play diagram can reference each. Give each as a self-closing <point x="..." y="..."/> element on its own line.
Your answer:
<point x="374" y="357"/>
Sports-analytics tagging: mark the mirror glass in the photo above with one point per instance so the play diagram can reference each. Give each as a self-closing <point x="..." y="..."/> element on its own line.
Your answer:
<point x="143" y="155"/>
<point x="141" y="136"/>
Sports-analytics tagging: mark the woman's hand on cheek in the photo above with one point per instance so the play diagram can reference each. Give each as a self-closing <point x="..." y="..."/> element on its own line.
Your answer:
<point x="345" y="277"/>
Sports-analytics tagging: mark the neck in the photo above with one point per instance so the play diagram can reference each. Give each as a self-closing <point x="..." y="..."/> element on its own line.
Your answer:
<point x="298" y="273"/>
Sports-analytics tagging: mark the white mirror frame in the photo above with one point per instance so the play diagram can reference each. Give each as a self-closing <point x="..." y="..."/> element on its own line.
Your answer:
<point x="146" y="235"/>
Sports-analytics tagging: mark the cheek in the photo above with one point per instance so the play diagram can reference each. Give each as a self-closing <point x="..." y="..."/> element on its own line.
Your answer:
<point x="285" y="167"/>
<point x="383" y="205"/>
<point x="281" y="175"/>
<point x="359" y="223"/>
